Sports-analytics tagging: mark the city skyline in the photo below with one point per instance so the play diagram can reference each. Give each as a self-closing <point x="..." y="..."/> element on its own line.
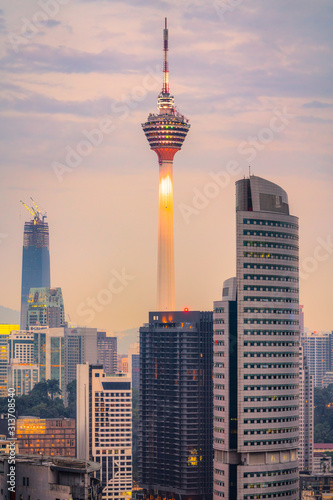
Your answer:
<point x="245" y="72"/>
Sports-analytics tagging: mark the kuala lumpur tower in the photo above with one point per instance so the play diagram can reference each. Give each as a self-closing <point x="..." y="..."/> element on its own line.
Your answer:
<point x="166" y="133"/>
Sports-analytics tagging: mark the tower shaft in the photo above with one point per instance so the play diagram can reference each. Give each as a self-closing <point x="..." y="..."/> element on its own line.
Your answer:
<point x="166" y="132"/>
<point x="166" y="268"/>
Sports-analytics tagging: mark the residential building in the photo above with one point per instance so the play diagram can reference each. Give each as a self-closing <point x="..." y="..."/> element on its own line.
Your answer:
<point x="104" y="427"/>
<point x="317" y="347"/>
<point x="305" y="450"/>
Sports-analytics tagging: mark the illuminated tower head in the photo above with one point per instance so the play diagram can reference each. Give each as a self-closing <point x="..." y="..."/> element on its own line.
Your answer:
<point x="166" y="132"/>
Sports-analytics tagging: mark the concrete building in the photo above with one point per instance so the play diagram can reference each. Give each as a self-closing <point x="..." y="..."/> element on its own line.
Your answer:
<point x="320" y="486"/>
<point x="107" y="352"/>
<point x="134" y="364"/>
<point x="328" y="379"/>
<point x="46" y="307"/>
<point x="46" y="436"/>
<point x="104" y="427"/>
<point x="176" y="421"/>
<point x="256" y="350"/>
<point x="23" y="373"/>
<point x="317" y="347"/>
<point x="48" y="478"/>
<point x="49" y="354"/>
<point x="4" y="336"/>
<point x="305" y="450"/>
<point x="80" y="347"/>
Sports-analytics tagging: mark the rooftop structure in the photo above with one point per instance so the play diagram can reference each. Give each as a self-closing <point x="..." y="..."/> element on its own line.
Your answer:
<point x="41" y="477"/>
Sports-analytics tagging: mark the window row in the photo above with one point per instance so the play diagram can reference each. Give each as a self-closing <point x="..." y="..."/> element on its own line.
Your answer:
<point x="273" y="223"/>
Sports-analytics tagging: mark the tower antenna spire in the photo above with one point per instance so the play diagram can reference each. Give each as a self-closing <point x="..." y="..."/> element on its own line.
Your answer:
<point x="165" y="89"/>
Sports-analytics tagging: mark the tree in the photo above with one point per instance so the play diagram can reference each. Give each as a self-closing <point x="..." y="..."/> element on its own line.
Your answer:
<point x="53" y="388"/>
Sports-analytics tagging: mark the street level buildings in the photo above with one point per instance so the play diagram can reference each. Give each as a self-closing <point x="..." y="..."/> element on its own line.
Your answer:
<point x="175" y="442"/>
<point x="104" y="427"/>
<point x="256" y="351"/>
<point x="48" y="478"/>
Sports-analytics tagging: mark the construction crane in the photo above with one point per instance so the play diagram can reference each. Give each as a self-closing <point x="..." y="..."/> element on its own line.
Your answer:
<point x="35" y="212"/>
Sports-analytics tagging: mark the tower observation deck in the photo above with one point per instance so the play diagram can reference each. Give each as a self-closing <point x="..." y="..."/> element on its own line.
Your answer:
<point x="166" y="132"/>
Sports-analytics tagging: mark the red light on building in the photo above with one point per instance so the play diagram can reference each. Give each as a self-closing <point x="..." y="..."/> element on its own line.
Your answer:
<point x="186" y="309"/>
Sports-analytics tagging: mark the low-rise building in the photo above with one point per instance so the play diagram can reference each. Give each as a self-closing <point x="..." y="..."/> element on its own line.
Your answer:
<point x="46" y="436"/>
<point x="48" y="478"/>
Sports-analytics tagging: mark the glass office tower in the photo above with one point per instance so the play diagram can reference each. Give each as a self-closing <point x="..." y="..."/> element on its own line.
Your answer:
<point x="35" y="261"/>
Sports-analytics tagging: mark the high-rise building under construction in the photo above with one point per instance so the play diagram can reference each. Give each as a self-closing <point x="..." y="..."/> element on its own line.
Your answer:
<point x="36" y="258"/>
<point x="166" y="132"/>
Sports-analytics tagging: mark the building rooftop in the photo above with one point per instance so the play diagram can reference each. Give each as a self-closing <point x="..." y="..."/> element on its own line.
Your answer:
<point x="56" y="463"/>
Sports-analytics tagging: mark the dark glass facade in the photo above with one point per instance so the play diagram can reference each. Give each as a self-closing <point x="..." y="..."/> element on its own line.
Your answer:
<point x="176" y="405"/>
<point x="35" y="262"/>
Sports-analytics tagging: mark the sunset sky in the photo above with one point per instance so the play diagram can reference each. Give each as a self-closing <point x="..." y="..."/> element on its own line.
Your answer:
<point x="241" y="71"/>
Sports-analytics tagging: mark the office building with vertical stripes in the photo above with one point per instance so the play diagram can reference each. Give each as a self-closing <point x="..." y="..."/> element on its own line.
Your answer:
<point x="256" y="352"/>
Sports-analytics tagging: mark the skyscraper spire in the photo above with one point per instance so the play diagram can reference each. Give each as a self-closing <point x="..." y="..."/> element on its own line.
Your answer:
<point x="165" y="89"/>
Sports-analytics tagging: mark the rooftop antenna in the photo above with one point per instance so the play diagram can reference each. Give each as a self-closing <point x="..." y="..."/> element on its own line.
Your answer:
<point x="249" y="170"/>
<point x="165" y="89"/>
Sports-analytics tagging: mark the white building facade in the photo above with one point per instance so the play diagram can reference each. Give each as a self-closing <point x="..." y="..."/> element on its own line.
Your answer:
<point x="256" y="429"/>
<point x="23" y="373"/>
<point x="317" y="347"/>
<point x="104" y="427"/>
<point x="305" y="451"/>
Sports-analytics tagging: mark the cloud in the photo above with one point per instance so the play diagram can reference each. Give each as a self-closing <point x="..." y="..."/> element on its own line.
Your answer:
<point x="44" y="59"/>
<point x="317" y="105"/>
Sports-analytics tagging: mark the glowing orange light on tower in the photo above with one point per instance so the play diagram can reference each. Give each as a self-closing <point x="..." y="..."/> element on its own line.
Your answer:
<point x="166" y="132"/>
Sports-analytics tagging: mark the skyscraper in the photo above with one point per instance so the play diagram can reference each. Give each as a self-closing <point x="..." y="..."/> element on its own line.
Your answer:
<point x="104" y="427"/>
<point x="305" y="451"/>
<point x="256" y="349"/>
<point x="35" y="259"/>
<point x="49" y="354"/>
<point x="80" y="346"/>
<point x="45" y="307"/>
<point x="107" y="352"/>
<point x="176" y="432"/>
<point x="166" y="133"/>
<point x="317" y="347"/>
